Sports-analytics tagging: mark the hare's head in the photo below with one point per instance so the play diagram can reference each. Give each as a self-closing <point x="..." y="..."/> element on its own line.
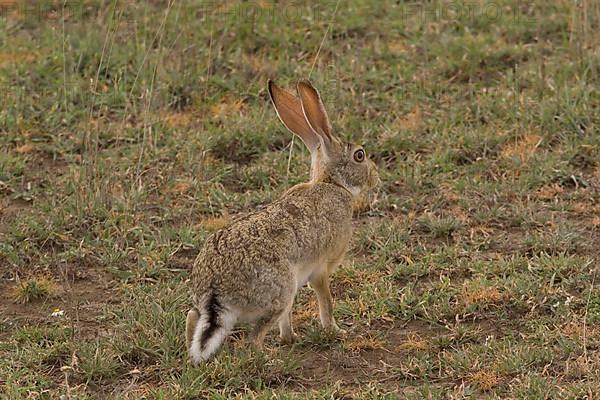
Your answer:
<point x="344" y="164"/>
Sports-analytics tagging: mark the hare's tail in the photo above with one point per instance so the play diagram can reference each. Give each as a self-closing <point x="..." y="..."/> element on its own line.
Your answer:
<point x="207" y="327"/>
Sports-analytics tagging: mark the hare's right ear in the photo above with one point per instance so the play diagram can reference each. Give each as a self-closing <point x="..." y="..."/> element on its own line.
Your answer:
<point x="289" y="111"/>
<point x="313" y="109"/>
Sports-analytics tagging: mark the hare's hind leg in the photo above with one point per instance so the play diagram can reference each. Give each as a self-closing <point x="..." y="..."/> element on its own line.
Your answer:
<point x="190" y="326"/>
<point x="262" y="327"/>
<point x="283" y="315"/>
<point x="275" y="302"/>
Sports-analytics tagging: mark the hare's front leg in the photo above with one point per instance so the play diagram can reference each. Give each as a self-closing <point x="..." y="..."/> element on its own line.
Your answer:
<point x="320" y="283"/>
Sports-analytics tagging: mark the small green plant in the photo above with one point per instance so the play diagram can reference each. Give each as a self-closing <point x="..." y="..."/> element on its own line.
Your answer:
<point x="440" y="227"/>
<point x="34" y="289"/>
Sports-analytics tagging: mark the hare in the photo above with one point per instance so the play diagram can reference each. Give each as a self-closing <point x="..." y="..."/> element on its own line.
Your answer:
<point x="251" y="270"/>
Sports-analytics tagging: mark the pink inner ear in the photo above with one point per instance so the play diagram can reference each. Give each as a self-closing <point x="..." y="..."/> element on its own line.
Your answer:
<point x="289" y="111"/>
<point x="314" y="110"/>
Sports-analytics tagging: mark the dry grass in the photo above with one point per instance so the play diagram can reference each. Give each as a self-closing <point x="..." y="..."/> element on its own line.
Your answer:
<point x="482" y="296"/>
<point x="34" y="288"/>
<point x="364" y="343"/>
<point x="523" y="148"/>
<point x="414" y="343"/>
<point x="484" y="380"/>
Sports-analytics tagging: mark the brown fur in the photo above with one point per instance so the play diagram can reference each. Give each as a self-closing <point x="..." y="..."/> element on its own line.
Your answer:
<point x="255" y="266"/>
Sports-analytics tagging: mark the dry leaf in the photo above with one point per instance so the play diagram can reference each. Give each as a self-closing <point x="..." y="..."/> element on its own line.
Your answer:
<point x="26" y="148"/>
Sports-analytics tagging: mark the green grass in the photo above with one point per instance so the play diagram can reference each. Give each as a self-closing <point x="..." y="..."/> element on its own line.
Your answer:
<point x="129" y="135"/>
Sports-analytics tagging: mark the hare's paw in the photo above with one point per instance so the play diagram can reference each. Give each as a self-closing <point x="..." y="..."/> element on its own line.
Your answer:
<point x="339" y="331"/>
<point x="335" y="329"/>
<point x="288" y="339"/>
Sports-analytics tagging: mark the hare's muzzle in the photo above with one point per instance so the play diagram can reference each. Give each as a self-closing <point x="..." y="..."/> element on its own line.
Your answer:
<point x="373" y="179"/>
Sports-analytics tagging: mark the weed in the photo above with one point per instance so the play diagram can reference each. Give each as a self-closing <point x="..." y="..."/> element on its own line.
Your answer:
<point x="34" y="289"/>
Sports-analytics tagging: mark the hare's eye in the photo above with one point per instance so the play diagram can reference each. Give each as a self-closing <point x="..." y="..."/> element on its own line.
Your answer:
<point x="359" y="155"/>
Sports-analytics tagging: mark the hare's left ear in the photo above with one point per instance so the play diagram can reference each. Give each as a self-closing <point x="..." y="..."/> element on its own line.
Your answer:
<point x="314" y="110"/>
<point x="289" y="111"/>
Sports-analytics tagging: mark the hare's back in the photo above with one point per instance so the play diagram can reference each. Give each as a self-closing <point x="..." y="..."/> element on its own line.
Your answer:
<point x="242" y="261"/>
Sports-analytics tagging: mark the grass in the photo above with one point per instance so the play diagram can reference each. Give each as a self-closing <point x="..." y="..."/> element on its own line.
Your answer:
<point x="33" y="289"/>
<point x="130" y="134"/>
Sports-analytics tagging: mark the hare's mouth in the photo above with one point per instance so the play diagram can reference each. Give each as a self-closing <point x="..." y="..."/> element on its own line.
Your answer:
<point x="366" y="201"/>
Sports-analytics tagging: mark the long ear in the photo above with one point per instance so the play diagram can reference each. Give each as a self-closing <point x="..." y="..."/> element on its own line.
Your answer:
<point x="289" y="111"/>
<point x="314" y="110"/>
